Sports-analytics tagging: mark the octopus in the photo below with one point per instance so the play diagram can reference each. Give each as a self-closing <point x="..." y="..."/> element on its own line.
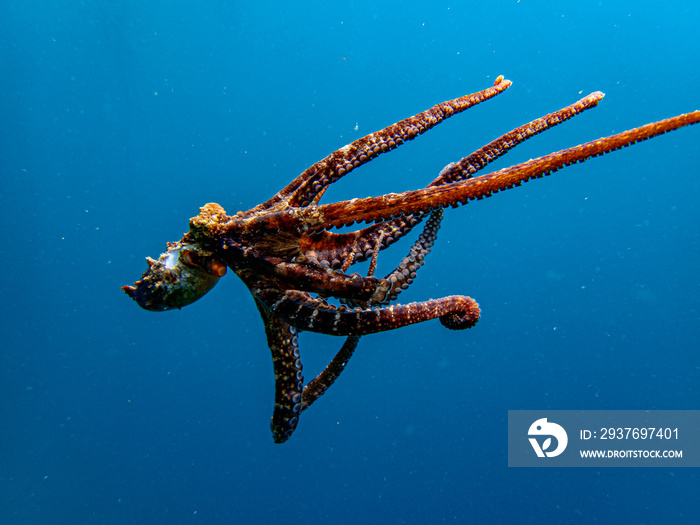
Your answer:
<point x="294" y="254"/>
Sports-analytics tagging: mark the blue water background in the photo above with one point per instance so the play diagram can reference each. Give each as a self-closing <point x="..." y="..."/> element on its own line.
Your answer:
<point x="118" y="120"/>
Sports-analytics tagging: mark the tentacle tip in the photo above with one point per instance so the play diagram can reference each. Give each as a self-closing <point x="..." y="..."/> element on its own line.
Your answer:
<point x="502" y="82"/>
<point x="279" y="435"/>
<point x="462" y="317"/>
<point x="279" y="438"/>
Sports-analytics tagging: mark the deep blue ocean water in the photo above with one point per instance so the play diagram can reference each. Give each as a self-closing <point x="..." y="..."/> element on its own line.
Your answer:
<point x="119" y="121"/>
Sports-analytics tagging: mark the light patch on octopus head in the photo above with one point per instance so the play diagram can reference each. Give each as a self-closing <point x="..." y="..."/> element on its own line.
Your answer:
<point x="171" y="261"/>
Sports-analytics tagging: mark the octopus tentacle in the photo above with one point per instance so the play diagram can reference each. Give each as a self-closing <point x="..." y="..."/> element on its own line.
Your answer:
<point x="311" y="278"/>
<point x="400" y="278"/>
<point x="301" y="310"/>
<point x="323" y="381"/>
<point x="333" y="247"/>
<point x="404" y="274"/>
<point x="283" y="340"/>
<point x="356" y="242"/>
<point x="304" y="189"/>
<point x="289" y="377"/>
<point x="471" y="164"/>
<point x="375" y="209"/>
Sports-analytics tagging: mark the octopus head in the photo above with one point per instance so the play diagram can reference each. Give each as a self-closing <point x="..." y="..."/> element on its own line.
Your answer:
<point x="180" y="276"/>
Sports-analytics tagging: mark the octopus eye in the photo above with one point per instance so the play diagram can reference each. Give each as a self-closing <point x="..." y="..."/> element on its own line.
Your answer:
<point x="217" y="268"/>
<point x="195" y="259"/>
<point x="189" y="258"/>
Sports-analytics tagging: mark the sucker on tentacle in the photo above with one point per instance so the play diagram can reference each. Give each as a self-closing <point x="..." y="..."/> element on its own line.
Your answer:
<point x="293" y="264"/>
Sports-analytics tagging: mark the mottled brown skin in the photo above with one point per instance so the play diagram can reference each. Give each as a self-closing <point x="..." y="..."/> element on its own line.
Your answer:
<point x="287" y="255"/>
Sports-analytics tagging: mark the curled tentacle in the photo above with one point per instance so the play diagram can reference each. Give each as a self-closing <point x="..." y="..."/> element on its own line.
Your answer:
<point x="315" y="315"/>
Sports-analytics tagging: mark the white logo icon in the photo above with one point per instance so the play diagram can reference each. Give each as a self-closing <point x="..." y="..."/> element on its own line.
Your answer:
<point x="542" y="428"/>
